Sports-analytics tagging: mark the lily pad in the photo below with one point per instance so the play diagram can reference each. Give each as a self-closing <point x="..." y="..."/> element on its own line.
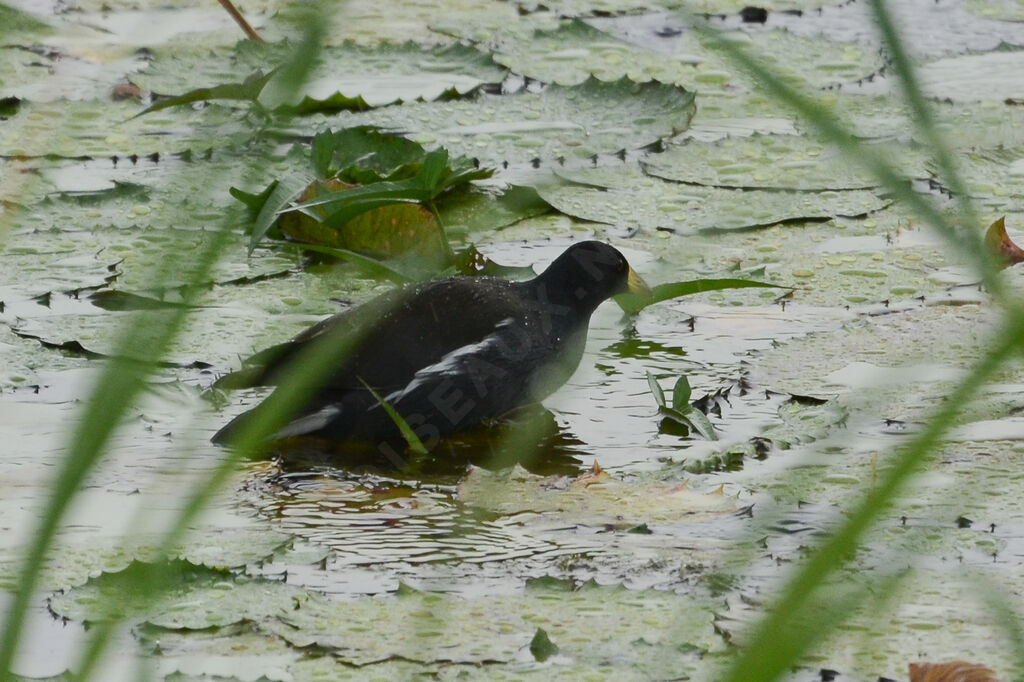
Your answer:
<point x="196" y="597"/>
<point x="572" y="122"/>
<point x="45" y="74"/>
<point x="774" y="162"/>
<point x="626" y="196"/>
<point x="892" y="367"/>
<point x="348" y="76"/>
<point x="926" y="31"/>
<point x="604" y="7"/>
<point x="36" y="265"/>
<point x="591" y="499"/>
<point x="577" y="50"/>
<point x="992" y="76"/>
<point x="101" y="128"/>
<point x="597" y="626"/>
<point x="886" y="258"/>
<point x="483" y="212"/>
<point x="994" y="177"/>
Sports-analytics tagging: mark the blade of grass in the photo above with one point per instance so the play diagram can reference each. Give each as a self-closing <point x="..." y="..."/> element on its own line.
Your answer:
<point x="414" y="442"/>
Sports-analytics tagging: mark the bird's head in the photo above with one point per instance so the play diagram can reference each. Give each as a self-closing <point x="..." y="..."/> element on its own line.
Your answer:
<point x="590" y="272"/>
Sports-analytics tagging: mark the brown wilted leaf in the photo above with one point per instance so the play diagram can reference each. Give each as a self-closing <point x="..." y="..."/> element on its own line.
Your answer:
<point x="129" y="90"/>
<point x="1000" y="243"/>
<point x="954" y="671"/>
<point x="595" y="475"/>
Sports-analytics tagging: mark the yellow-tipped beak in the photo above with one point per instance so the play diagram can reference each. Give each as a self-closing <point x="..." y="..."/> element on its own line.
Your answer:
<point x="637" y="285"/>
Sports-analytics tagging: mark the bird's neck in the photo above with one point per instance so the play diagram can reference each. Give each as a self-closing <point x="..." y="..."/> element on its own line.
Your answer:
<point x="565" y="304"/>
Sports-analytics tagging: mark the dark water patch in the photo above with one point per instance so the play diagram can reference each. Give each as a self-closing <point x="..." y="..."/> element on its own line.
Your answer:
<point x="376" y="532"/>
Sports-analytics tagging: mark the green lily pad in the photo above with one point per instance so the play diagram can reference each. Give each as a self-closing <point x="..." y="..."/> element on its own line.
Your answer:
<point x="347" y="76"/>
<point x="50" y="74"/>
<point x="626" y="196"/>
<point x="888" y="256"/>
<point x="24" y="361"/>
<point x="102" y="128"/>
<point x="892" y="367"/>
<point x="590" y="499"/>
<point x="597" y="626"/>
<point x="573" y="122"/>
<point x="195" y="597"/>
<point x="577" y="50"/>
<point x="774" y="162"/>
<point x="994" y="76"/>
<point x="994" y="177"/>
<point x="36" y="265"/>
<point x="482" y="212"/>
<point x="605" y="7"/>
<point x="371" y="23"/>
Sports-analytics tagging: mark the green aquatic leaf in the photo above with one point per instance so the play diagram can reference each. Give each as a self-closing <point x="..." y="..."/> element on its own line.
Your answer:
<point x="383" y="181"/>
<point x="249" y="89"/>
<point x="634" y="303"/>
<point x="787" y="162"/>
<point x="681" y="393"/>
<point x="681" y="411"/>
<point x="385" y="229"/>
<point x="284" y="192"/>
<point x="348" y="76"/>
<point x="363" y="155"/>
<point x="627" y="196"/>
<point x="487" y="211"/>
<point x="541" y="646"/>
<point x="656" y="390"/>
<point x="578" y="121"/>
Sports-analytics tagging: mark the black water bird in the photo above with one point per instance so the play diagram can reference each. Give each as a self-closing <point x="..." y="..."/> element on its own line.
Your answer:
<point x="447" y="354"/>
